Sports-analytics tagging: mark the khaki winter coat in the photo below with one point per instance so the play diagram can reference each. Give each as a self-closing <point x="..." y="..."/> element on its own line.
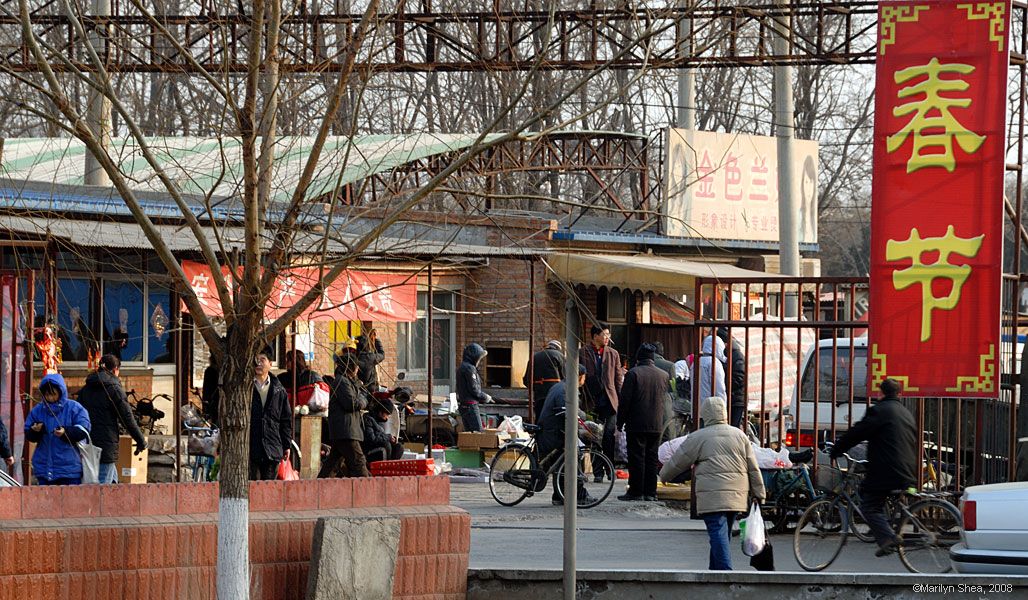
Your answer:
<point x="726" y="474"/>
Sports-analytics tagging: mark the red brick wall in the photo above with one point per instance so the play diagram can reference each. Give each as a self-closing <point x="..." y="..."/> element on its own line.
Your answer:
<point x="160" y="540"/>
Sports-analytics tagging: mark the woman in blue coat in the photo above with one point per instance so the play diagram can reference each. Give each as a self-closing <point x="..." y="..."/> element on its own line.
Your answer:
<point x="56" y="425"/>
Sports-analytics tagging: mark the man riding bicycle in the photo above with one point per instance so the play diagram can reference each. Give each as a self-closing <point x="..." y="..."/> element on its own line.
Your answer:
<point x="888" y="427"/>
<point x="550" y="439"/>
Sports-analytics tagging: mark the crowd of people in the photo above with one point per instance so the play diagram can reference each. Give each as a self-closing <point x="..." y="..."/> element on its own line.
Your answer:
<point x="636" y="401"/>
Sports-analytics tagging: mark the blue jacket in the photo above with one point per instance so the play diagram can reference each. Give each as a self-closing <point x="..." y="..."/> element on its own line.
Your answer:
<point x="57" y="458"/>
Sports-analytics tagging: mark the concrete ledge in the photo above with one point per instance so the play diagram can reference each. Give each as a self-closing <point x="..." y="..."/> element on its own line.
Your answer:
<point x="486" y="584"/>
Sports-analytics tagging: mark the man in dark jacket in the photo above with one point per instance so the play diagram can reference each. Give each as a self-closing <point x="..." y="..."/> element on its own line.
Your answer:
<point x="271" y="421"/>
<point x="735" y="374"/>
<point x="5" y="447"/>
<point x="104" y="399"/>
<point x="641" y="415"/>
<point x="210" y="393"/>
<point x="603" y="380"/>
<point x="551" y="434"/>
<point x="378" y="444"/>
<point x="892" y="453"/>
<point x="369" y="355"/>
<point x="469" y="387"/>
<point x="546" y="370"/>
<point x="345" y="429"/>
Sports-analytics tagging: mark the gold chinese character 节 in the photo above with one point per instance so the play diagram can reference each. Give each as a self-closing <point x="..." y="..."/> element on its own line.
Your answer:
<point x="933" y="126"/>
<point x="926" y="273"/>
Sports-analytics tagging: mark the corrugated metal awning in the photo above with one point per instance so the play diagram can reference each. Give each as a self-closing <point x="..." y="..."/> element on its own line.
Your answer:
<point x="109" y="234"/>
<point x="641" y="272"/>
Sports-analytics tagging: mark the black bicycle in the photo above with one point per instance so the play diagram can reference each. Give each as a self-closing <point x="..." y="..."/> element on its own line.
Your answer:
<point x="926" y="524"/>
<point x="518" y="472"/>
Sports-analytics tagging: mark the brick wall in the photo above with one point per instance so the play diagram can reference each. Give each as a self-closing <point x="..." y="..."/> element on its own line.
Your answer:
<point x="160" y="540"/>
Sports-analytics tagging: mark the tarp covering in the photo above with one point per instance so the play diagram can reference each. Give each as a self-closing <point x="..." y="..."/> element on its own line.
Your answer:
<point x="353" y="296"/>
<point x="642" y="272"/>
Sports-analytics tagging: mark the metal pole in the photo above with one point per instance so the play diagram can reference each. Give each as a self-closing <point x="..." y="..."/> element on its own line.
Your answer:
<point x="687" y="76"/>
<point x="573" y="328"/>
<point x="98" y="115"/>
<point x="180" y="389"/>
<point x="428" y="358"/>
<point x="531" y="341"/>
<point x="788" y="234"/>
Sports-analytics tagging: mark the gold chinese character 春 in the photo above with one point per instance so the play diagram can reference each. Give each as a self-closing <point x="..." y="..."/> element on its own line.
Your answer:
<point x="933" y="126"/>
<point x="926" y="274"/>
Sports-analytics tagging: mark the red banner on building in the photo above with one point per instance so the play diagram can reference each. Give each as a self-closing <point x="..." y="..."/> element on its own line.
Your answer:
<point x="937" y="199"/>
<point x="353" y="296"/>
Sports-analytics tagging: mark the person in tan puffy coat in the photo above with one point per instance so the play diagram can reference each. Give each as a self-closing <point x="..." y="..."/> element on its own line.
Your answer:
<point x="726" y="476"/>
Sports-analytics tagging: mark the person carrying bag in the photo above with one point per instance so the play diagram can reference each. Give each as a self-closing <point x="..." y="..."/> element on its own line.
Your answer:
<point x="56" y="425"/>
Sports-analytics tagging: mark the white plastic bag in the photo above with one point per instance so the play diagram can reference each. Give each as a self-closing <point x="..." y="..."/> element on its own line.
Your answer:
<point x="753" y="536"/>
<point x="90" y="456"/>
<point x="511" y="425"/>
<point x="769" y="459"/>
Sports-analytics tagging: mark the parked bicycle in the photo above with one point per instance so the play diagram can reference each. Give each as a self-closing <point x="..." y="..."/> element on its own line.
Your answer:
<point x="518" y="472"/>
<point x="926" y="524"/>
<point x="144" y="412"/>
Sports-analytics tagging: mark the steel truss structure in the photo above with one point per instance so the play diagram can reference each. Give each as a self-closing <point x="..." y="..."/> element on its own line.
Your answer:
<point x="588" y="37"/>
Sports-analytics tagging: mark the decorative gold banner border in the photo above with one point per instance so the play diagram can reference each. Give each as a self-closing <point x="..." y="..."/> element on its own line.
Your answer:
<point x="890" y="15"/>
<point x="995" y="13"/>
<point x="984" y="381"/>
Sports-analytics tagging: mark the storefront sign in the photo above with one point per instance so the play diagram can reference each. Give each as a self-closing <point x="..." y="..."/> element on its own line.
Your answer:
<point x="353" y="296"/>
<point x="725" y="186"/>
<point x="937" y="200"/>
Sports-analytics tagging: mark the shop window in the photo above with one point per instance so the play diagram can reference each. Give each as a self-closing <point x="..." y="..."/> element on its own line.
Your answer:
<point x="412" y="339"/>
<point x="74" y="316"/>
<point x="612" y="305"/>
<point x="123" y="320"/>
<point x="160" y="345"/>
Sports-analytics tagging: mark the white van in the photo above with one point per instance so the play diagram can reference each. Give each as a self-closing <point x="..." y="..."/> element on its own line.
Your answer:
<point x="838" y="382"/>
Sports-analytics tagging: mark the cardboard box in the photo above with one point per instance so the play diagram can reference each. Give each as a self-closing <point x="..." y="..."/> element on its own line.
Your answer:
<point x="415" y="447"/>
<point x="469" y="459"/>
<point x="486" y="439"/>
<point x="131" y="468"/>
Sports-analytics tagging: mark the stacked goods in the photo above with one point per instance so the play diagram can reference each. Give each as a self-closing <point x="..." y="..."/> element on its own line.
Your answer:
<point x="417" y="466"/>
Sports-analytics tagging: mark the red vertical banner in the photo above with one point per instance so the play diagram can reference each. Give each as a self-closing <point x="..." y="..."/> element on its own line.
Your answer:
<point x="937" y="197"/>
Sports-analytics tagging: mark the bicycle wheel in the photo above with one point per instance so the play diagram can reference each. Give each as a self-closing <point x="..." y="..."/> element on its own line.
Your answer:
<point x="928" y="531"/>
<point x="510" y="475"/>
<point x="590" y="464"/>
<point x="820" y="534"/>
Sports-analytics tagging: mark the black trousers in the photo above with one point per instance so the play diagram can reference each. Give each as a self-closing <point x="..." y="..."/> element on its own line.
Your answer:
<point x="350" y="454"/>
<point x="470" y="417"/>
<point x="642" y="463"/>
<point x="608" y="418"/>
<point x="872" y="504"/>
<point x="262" y="469"/>
<point x="738" y="413"/>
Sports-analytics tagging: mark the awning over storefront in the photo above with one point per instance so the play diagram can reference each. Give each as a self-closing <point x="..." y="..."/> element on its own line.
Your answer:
<point x="642" y="272"/>
<point x="353" y="296"/>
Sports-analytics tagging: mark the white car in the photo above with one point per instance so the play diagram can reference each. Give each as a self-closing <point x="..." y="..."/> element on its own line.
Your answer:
<point x="994" y="539"/>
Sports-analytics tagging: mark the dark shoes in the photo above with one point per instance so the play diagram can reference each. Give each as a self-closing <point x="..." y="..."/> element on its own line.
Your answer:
<point x="650" y="498"/>
<point x="887" y="549"/>
<point x="631" y="498"/>
<point x="598" y="478"/>
<point x="583" y="500"/>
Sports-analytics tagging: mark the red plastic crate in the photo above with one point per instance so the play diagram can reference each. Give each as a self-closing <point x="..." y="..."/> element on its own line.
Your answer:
<point x="418" y="466"/>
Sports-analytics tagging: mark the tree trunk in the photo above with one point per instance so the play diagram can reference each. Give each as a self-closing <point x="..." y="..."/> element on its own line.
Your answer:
<point x="233" y="505"/>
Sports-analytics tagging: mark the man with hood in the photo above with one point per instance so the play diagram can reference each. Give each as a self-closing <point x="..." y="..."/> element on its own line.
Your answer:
<point x="546" y="370"/>
<point x="271" y="420"/>
<point x="345" y="428"/>
<point x="5" y="449"/>
<point x="369" y="355"/>
<point x="641" y="415"/>
<point x="378" y="443"/>
<point x="603" y="380"/>
<point x="736" y="366"/>
<point x="56" y="425"/>
<point x="726" y="476"/>
<point x="712" y="370"/>
<point x="469" y="387"/>
<point x="104" y="399"/>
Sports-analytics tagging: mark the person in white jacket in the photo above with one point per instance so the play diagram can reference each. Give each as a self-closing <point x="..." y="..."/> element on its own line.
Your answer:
<point x="712" y="368"/>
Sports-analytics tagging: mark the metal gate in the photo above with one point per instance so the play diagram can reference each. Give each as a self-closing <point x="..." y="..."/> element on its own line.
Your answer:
<point x="805" y="343"/>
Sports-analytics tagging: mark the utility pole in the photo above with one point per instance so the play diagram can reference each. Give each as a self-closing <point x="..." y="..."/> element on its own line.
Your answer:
<point x="98" y="114"/>
<point x="573" y="328"/>
<point x="687" y="76"/>
<point x="788" y="234"/>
